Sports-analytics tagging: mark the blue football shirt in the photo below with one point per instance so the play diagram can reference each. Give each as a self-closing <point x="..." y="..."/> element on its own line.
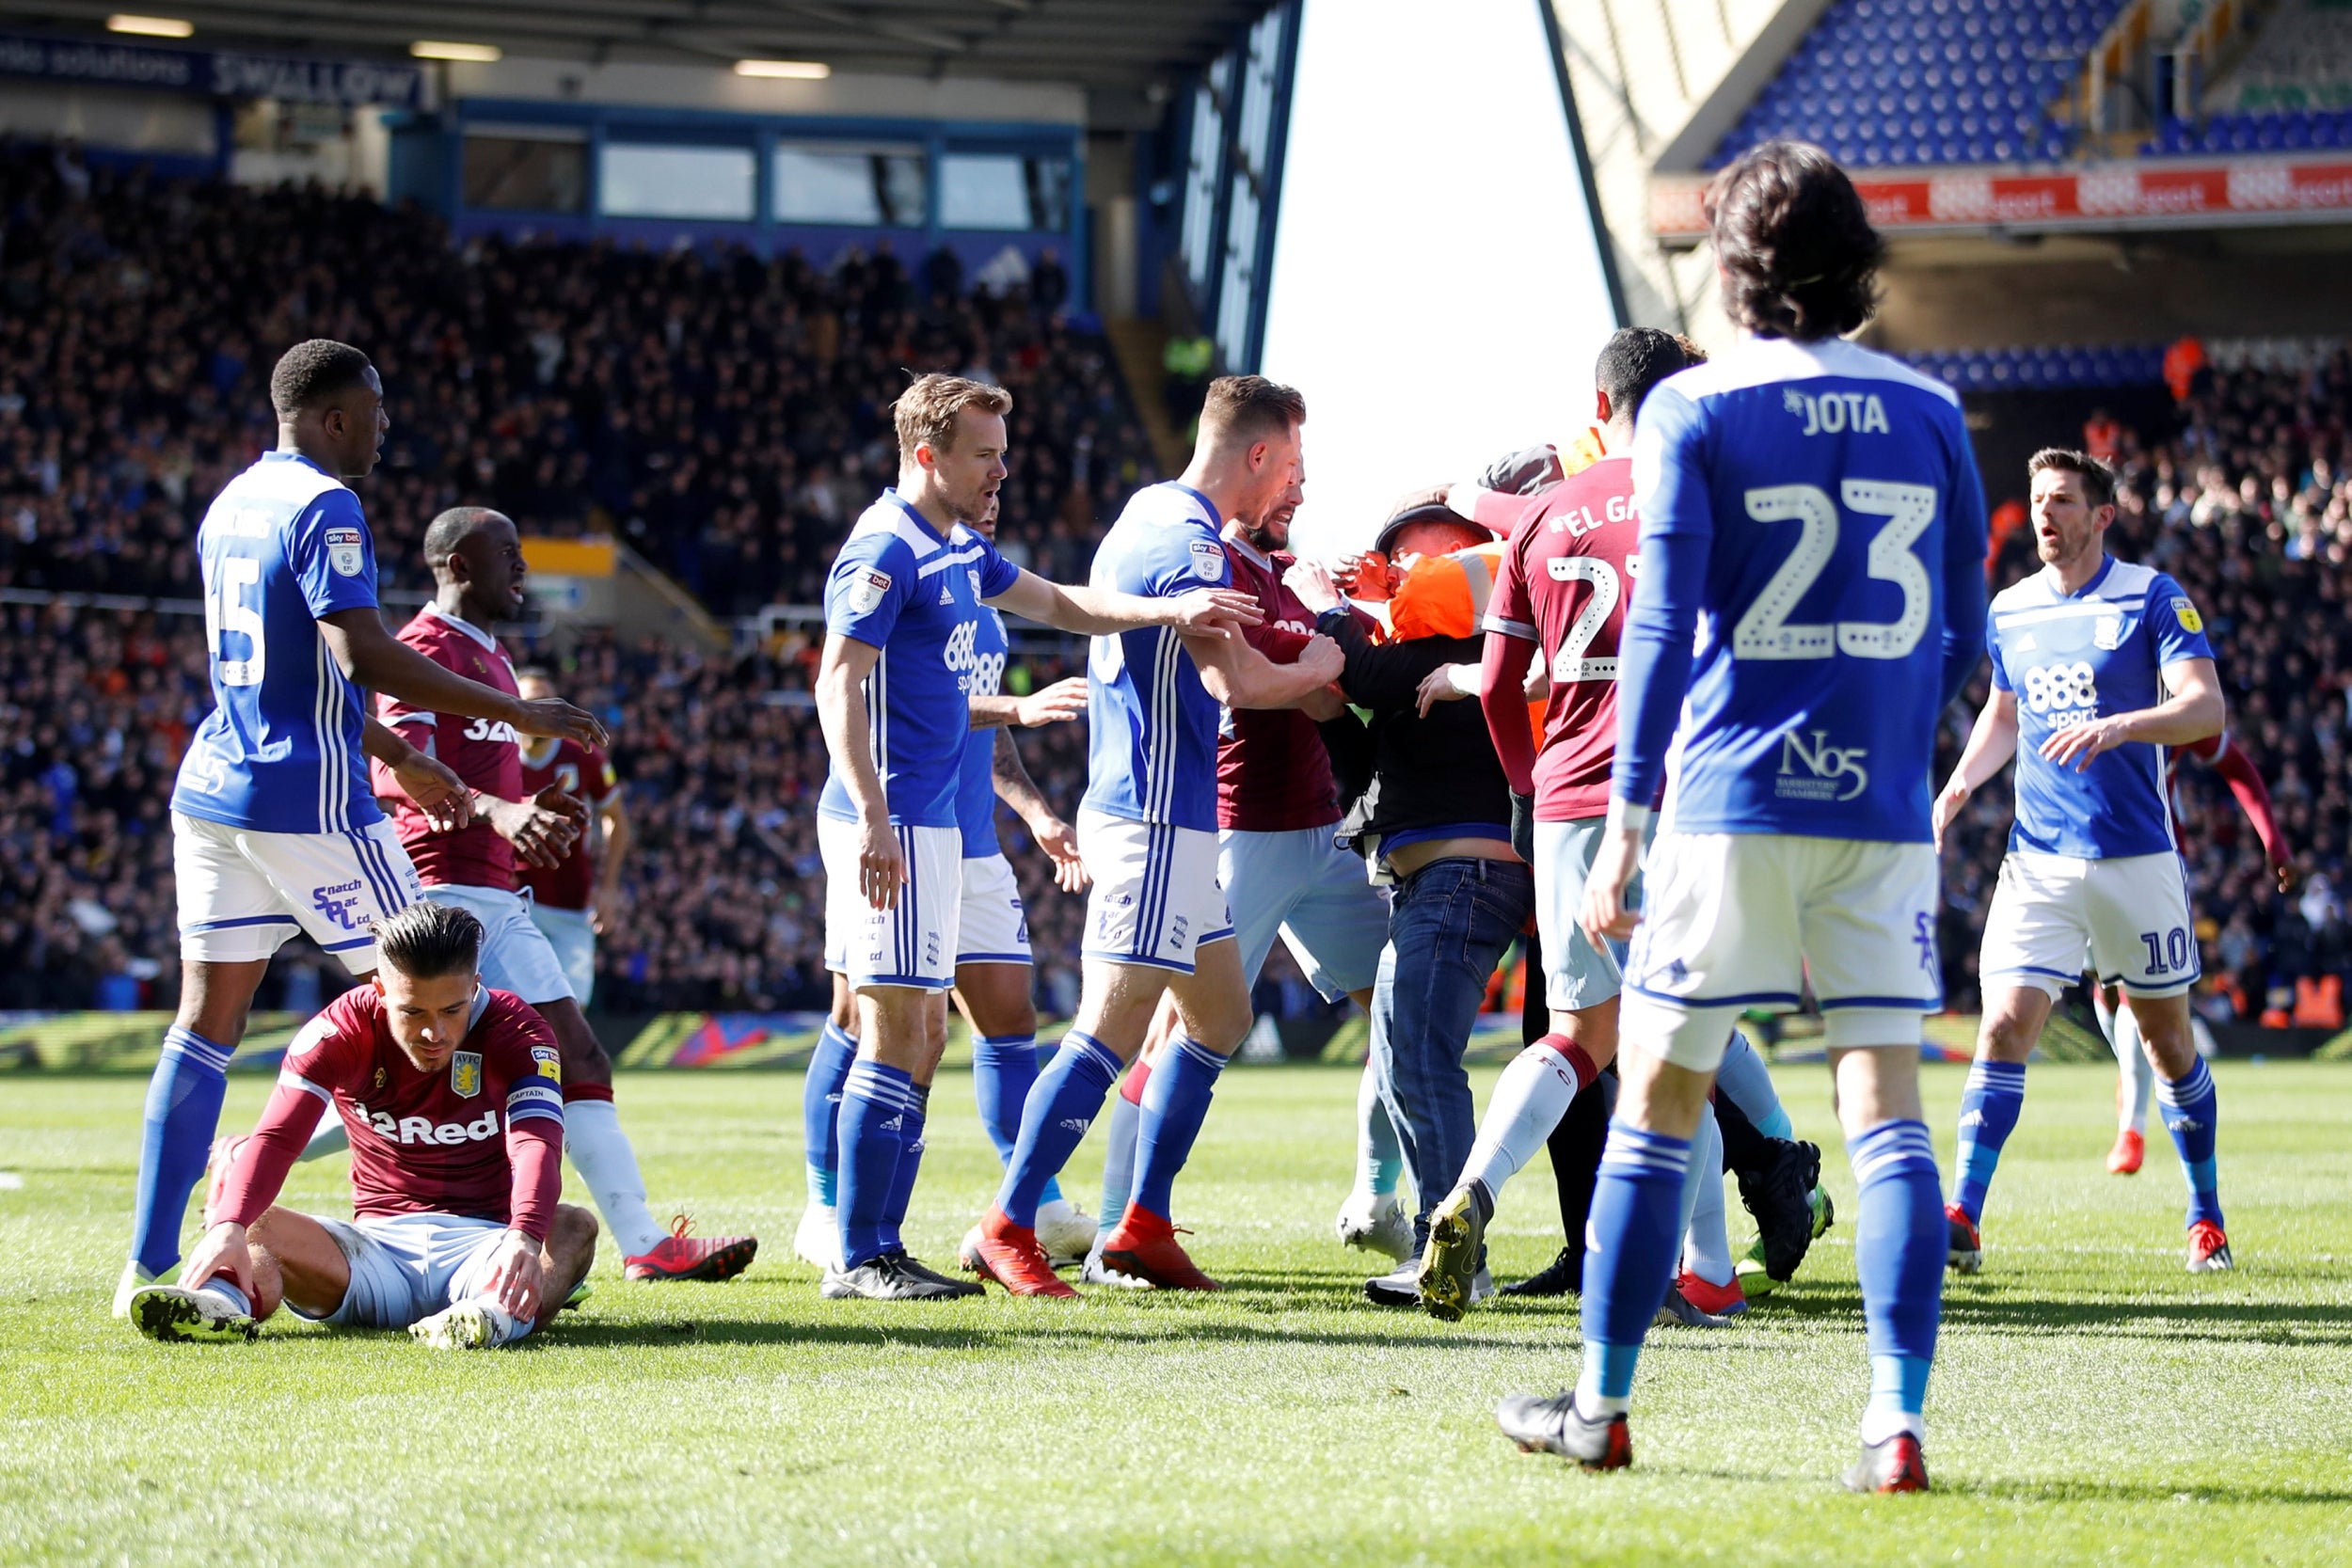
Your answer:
<point x="900" y="586"/>
<point x="2090" y="655"/>
<point x="1152" y="749"/>
<point x="975" y="794"/>
<point x="1811" y="514"/>
<point x="282" y="544"/>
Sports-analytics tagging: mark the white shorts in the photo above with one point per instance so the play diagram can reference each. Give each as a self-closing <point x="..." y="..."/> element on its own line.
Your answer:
<point x="1738" y="921"/>
<point x="1315" y="894"/>
<point x="575" y="943"/>
<point x="514" y="952"/>
<point x="910" y="944"/>
<point x="1577" y="975"/>
<point x="993" y="928"/>
<point x="2132" y="913"/>
<point x="241" y="893"/>
<point x="1156" y="898"/>
<point x="404" y="1267"/>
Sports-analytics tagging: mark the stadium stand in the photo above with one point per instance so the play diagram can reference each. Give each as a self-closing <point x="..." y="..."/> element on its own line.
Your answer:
<point x="1906" y="82"/>
<point x="724" y="415"/>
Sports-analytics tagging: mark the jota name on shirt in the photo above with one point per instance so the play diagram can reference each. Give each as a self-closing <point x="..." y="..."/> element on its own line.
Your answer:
<point x="1830" y="413"/>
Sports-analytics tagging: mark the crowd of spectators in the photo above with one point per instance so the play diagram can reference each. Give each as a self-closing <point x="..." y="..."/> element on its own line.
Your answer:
<point x="725" y="415"/>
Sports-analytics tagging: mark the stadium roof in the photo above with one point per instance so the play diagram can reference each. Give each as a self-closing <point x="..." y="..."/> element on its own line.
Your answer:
<point x="1120" y="45"/>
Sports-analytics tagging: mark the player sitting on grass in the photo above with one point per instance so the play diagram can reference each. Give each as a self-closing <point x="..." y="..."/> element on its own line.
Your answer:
<point x="451" y="1094"/>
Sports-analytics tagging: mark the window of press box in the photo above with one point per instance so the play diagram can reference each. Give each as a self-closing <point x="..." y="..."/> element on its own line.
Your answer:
<point x="989" y="190"/>
<point x="832" y="184"/>
<point x="527" y="173"/>
<point x="646" y="180"/>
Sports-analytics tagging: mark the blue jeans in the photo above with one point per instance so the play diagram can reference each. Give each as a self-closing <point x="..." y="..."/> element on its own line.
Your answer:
<point x="1449" y="923"/>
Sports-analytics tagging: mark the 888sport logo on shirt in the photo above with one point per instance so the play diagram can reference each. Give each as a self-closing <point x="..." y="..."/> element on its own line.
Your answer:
<point x="2061" y="686"/>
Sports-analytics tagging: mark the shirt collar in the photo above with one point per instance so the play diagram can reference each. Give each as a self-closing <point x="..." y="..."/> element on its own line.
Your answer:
<point x="463" y="624"/>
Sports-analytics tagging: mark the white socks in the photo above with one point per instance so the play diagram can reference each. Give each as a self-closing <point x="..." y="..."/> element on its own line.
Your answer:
<point x="601" y="1154"/>
<point x="1530" y="1098"/>
<point x="1706" y="1243"/>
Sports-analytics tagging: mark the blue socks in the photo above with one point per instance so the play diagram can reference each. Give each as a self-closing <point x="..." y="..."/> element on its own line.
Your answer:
<point x="910" y="1162"/>
<point x="1004" y="1070"/>
<point x="1068" y="1097"/>
<point x="1632" y="1239"/>
<point x="821" y="1102"/>
<point x="1900" y="1243"/>
<point x="2190" y="1112"/>
<point x="1174" y="1105"/>
<point x="182" y="1112"/>
<point x="877" y="1104"/>
<point x="1987" y="1114"/>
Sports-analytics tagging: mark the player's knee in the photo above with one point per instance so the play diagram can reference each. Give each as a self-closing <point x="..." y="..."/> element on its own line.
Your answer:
<point x="572" y="1234"/>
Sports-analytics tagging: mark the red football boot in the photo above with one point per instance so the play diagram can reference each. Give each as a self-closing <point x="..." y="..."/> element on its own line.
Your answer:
<point x="1145" y="1245"/>
<point x="1720" y="1301"/>
<point x="680" y="1256"/>
<point x="1893" y="1466"/>
<point x="2129" y="1151"/>
<point x="1007" y="1253"/>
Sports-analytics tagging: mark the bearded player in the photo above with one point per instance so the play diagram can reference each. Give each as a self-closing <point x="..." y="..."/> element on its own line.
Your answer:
<point x="1156" y="919"/>
<point x="478" y="577"/>
<point x="456" y="1160"/>
<point x="1278" y="860"/>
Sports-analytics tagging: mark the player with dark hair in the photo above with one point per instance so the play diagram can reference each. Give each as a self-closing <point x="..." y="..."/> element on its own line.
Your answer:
<point x="2098" y="666"/>
<point x="893" y="684"/>
<point x="273" y="828"/>
<point x="1156" y="920"/>
<point x="1812" y="540"/>
<point x="451" y="1091"/>
<point x="477" y="580"/>
<point x="574" y="903"/>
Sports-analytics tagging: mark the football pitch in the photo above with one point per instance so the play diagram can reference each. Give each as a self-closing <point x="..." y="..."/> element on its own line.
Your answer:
<point x="2092" y="1402"/>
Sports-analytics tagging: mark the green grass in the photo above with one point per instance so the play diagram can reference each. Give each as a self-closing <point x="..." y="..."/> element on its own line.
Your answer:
<point x="2093" y="1404"/>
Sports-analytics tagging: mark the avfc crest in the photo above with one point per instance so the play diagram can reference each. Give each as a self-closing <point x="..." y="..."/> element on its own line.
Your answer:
<point x="345" y="551"/>
<point x="465" y="1074"/>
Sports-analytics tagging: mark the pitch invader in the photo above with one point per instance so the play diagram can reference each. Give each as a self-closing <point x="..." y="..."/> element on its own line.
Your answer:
<point x="1811" y="511"/>
<point x="273" y="828"/>
<point x="894" y="694"/>
<point x="1566" y="578"/>
<point x="573" y="902"/>
<point x="477" y="579"/>
<point x="1156" y="919"/>
<point x="455" y="1167"/>
<point x="2098" y="665"/>
<point x="1283" y="873"/>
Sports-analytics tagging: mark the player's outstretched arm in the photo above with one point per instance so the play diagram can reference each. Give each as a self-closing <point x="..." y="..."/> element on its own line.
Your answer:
<point x="1059" y="703"/>
<point x="429" y="782"/>
<point x="371" y="656"/>
<point x="841" y="672"/>
<point x="1101" y="612"/>
<point x="1018" y="790"/>
<point x="2194" y="711"/>
<point x="1992" y="742"/>
<point x="2246" y="784"/>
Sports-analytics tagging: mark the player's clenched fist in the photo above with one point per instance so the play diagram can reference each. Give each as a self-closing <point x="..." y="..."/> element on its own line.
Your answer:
<point x="1321" y="659"/>
<point x="882" y="866"/>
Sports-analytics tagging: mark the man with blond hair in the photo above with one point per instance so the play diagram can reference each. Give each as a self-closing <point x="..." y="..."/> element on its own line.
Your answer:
<point x="902" y="608"/>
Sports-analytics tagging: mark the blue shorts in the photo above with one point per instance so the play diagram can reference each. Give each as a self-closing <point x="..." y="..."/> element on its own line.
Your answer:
<point x="1311" y="893"/>
<point x="407" y="1267"/>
